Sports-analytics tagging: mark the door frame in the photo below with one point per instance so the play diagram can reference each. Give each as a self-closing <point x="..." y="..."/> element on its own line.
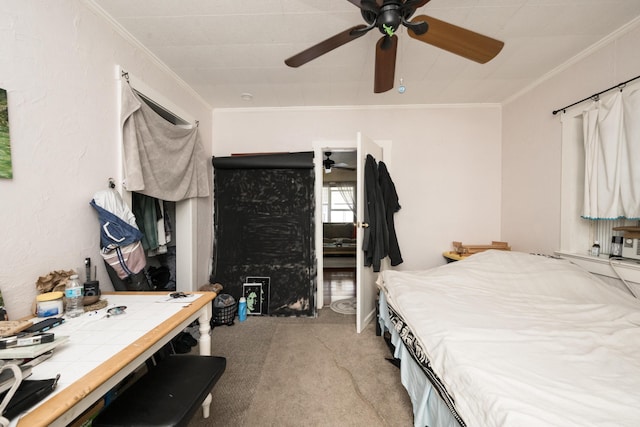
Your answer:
<point x="319" y="147"/>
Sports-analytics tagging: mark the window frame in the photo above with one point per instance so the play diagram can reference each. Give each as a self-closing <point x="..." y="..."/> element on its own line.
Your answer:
<point x="327" y="200"/>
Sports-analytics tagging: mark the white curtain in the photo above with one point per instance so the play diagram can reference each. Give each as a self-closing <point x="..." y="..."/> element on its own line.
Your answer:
<point x="348" y="194"/>
<point x="612" y="157"/>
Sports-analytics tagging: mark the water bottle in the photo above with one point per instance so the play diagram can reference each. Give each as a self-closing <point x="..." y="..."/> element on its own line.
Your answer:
<point x="242" y="309"/>
<point x="74" y="294"/>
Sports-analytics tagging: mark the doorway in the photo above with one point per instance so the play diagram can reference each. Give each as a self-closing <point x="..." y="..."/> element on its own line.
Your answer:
<point x="186" y="211"/>
<point x="339" y="183"/>
<point x="365" y="278"/>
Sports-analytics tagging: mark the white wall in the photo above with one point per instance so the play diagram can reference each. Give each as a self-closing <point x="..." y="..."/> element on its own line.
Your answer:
<point x="531" y="140"/>
<point x="57" y="62"/>
<point x="445" y="163"/>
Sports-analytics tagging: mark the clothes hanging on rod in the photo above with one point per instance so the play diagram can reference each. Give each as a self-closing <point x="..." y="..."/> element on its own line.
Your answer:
<point x="154" y="221"/>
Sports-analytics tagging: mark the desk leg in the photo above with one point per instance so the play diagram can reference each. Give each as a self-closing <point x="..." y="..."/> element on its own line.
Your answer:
<point x="205" y="339"/>
<point x="205" y="349"/>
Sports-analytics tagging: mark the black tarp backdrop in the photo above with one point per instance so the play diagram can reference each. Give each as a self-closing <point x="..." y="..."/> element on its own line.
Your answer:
<point x="264" y="226"/>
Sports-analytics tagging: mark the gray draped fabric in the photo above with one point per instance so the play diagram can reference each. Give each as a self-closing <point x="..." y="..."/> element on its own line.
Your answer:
<point x="161" y="160"/>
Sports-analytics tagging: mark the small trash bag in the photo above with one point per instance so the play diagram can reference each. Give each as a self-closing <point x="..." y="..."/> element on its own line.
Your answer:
<point x="223" y="300"/>
<point x="224" y="310"/>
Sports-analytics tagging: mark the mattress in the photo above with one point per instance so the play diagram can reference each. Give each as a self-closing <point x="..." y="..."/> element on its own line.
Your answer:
<point x="432" y="406"/>
<point x="523" y="340"/>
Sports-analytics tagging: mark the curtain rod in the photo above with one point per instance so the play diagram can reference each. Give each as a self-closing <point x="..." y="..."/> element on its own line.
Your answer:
<point x="596" y="95"/>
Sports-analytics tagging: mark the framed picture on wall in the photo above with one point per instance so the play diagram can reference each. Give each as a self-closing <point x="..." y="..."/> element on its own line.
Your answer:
<point x="253" y="292"/>
<point x="6" y="170"/>
<point x="266" y="288"/>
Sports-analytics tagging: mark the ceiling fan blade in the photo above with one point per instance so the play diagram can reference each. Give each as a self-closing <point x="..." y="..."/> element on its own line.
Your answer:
<point x="368" y="5"/>
<point x="414" y="4"/>
<point x="326" y="46"/>
<point x="458" y="40"/>
<point x="386" y="50"/>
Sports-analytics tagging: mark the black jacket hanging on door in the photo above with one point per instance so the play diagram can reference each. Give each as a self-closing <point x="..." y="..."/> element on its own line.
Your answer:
<point x="376" y="237"/>
<point x="391" y="206"/>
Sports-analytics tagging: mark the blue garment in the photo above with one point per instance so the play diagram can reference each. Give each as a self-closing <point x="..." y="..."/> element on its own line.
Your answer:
<point x="114" y="231"/>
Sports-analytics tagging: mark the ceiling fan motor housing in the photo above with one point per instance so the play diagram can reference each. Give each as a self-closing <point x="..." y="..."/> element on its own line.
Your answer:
<point x="389" y="17"/>
<point x="328" y="163"/>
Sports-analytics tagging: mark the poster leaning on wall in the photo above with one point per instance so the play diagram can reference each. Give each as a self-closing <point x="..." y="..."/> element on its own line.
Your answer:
<point x="253" y="292"/>
<point x="265" y="292"/>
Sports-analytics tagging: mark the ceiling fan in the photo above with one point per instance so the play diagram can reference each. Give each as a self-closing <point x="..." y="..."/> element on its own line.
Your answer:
<point x="329" y="164"/>
<point x="387" y="16"/>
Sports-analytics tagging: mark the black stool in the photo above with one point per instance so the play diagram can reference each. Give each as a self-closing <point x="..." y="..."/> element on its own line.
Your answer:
<point x="168" y="395"/>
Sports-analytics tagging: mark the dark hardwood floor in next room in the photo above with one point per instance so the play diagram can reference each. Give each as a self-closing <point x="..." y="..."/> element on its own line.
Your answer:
<point x="339" y="283"/>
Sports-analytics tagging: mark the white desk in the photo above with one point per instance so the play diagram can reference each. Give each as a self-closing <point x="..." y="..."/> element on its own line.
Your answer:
<point x="102" y="351"/>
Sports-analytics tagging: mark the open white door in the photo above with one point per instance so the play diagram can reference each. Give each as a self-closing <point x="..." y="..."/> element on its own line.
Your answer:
<point x="365" y="277"/>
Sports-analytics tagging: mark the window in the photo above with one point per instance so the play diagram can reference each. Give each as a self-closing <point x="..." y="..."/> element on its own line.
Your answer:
<point x="577" y="233"/>
<point x="338" y="202"/>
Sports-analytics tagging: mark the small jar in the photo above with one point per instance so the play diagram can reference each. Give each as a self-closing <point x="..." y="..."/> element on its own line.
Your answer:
<point x="49" y="304"/>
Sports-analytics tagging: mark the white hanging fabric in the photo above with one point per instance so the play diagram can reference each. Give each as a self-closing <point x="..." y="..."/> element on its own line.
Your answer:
<point x="348" y="195"/>
<point x="630" y="166"/>
<point x="161" y="160"/>
<point x="612" y="163"/>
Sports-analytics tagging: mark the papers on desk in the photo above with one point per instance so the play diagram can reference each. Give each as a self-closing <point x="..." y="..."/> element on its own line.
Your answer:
<point x="182" y="299"/>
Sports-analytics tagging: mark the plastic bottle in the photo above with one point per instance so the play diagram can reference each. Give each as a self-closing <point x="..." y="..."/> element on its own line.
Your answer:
<point x="73" y="295"/>
<point x="595" y="249"/>
<point x="242" y="309"/>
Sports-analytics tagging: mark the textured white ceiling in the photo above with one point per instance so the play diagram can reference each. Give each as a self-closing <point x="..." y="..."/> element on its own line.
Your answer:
<point x="223" y="48"/>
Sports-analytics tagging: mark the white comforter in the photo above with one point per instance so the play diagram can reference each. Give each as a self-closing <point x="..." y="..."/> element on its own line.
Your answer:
<point x="524" y="340"/>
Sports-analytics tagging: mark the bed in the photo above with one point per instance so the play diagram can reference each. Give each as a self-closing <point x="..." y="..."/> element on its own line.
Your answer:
<point x="512" y="339"/>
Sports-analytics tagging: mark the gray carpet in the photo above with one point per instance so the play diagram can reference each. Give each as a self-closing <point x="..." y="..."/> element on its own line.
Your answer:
<point x="284" y="371"/>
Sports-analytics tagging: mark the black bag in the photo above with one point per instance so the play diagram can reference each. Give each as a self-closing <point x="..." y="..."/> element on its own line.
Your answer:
<point x="159" y="276"/>
<point x="29" y="393"/>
